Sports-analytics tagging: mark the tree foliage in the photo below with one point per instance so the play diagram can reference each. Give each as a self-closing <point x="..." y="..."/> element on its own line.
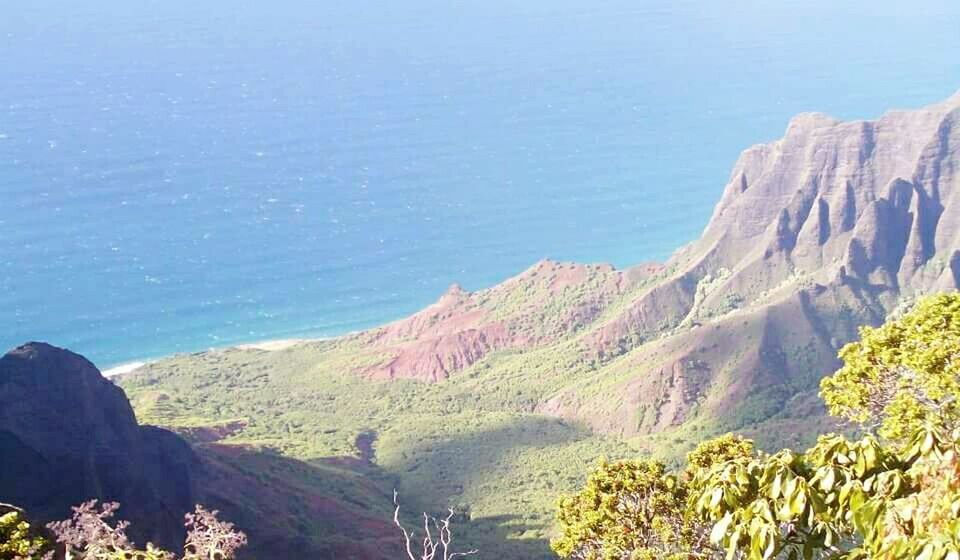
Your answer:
<point x="18" y="540"/>
<point x="893" y="493"/>
<point x="629" y="509"/>
<point x="637" y="510"/>
<point x="904" y="374"/>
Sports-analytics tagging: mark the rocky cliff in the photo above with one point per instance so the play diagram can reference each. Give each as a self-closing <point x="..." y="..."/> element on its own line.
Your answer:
<point x="68" y="435"/>
<point x="833" y="226"/>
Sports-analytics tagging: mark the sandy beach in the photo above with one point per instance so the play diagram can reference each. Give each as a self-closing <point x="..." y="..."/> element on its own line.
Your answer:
<point x="265" y="345"/>
<point x="274" y="345"/>
<point x="123" y="368"/>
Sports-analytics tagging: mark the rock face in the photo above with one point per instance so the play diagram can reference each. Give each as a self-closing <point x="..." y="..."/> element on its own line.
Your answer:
<point x="831" y="227"/>
<point x="878" y="198"/>
<point x="68" y="435"/>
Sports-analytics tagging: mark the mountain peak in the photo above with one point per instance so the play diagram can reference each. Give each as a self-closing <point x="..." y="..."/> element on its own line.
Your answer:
<point x="41" y="357"/>
<point x="809" y="121"/>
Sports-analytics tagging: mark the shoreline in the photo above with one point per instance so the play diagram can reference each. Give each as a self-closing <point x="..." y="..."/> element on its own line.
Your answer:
<point x="268" y="345"/>
<point x="278" y="344"/>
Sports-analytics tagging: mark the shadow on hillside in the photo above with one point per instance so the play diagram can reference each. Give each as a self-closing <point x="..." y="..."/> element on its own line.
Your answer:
<point x="294" y="509"/>
<point x="504" y="530"/>
<point x="449" y="470"/>
<point x="340" y="507"/>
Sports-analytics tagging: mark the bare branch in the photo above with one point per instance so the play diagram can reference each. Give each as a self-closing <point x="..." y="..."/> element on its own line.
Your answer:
<point x="396" y="521"/>
<point x="430" y="545"/>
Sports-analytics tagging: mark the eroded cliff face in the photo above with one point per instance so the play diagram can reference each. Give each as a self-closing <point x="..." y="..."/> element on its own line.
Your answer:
<point x="831" y="227"/>
<point x="879" y="199"/>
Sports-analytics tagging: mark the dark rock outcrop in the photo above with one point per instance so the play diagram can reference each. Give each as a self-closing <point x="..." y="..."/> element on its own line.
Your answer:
<point x="68" y="435"/>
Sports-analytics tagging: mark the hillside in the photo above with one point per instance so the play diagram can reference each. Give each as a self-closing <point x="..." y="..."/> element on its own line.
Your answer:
<point x="496" y="401"/>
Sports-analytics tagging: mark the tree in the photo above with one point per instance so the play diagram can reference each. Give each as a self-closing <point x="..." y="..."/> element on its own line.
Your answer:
<point x="797" y="505"/>
<point x="903" y="375"/>
<point x="841" y="499"/>
<point x="637" y="510"/>
<point x="893" y="493"/>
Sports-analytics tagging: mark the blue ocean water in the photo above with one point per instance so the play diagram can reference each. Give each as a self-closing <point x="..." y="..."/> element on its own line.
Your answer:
<point x="176" y="175"/>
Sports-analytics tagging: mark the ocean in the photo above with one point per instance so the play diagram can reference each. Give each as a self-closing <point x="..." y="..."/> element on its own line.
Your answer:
<point x="177" y="175"/>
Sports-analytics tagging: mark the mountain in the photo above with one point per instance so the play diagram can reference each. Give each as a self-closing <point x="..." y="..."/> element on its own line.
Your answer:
<point x="831" y="227"/>
<point x="547" y="303"/>
<point x="498" y="400"/>
<point x="68" y="435"/>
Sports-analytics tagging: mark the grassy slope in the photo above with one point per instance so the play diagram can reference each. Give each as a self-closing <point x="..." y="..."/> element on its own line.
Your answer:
<point x="466" y="443"/>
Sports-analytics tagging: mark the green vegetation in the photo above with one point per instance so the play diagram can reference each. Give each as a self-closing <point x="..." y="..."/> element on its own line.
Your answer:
<point x="299" y="422"/>
<point x="472" y="442"/>
<point x="497" y="440"/>
<point x="637" y="509"/>
<point x="892" y="495"/>
<point x="477" y="441"/>
<point x="18" y="539"/>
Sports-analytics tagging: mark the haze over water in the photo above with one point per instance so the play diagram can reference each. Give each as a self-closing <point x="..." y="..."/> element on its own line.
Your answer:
<point x="176" y="175"/>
